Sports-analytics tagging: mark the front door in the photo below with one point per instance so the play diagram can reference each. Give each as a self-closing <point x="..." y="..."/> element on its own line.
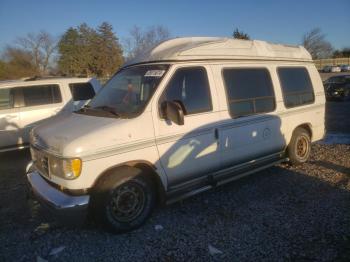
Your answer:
<point x="190" y="150"/>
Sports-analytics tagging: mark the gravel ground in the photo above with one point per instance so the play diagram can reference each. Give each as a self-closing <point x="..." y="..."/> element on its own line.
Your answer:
<point x="280" y="214"/>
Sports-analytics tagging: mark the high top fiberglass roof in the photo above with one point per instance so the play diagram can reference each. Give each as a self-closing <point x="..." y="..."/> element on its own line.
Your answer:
<point x="217" y="48"/>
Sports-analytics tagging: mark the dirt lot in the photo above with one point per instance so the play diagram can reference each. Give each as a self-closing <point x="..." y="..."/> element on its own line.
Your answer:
<point x="283" y="213"/>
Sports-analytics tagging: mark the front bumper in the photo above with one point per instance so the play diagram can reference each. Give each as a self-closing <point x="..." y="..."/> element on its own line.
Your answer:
<point x="66" y="208"/>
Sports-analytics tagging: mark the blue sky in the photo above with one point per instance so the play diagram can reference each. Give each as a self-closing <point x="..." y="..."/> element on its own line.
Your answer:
<point x="277" y="21"/>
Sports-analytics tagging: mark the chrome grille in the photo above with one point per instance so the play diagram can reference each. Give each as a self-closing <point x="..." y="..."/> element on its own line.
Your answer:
<point x="41" y="161"/>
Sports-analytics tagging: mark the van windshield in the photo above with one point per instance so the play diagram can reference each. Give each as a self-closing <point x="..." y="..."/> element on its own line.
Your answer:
<point x="127" y="93"/>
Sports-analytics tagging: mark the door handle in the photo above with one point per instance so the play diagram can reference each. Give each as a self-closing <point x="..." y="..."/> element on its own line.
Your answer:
<point x="216" y="133"/>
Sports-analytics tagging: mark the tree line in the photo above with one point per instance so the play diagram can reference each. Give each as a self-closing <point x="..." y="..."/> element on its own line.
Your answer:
<point x="88" y="51"/>
<point x="79" y="51"/>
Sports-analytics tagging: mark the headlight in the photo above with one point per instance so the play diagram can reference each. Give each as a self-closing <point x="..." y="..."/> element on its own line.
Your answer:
<point x="65" y="168"/>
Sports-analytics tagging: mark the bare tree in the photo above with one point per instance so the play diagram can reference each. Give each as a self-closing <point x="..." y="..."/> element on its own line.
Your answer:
<point x="140" y="40"/>
<point x="41" y="46"/>
<point x="48" y="47"/>
<point x="317" y="45"/>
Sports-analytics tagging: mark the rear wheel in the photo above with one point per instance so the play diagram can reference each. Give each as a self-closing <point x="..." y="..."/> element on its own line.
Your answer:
<point x="123" y="201"/>
<point x="299" y="147"/>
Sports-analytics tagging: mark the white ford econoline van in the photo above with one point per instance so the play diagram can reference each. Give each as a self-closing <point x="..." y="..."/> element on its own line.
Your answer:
<point x="191" y="114"/>
<point x="24" y="104"/>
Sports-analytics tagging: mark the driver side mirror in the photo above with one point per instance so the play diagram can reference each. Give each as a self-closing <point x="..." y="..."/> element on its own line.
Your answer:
<point x="172" y="110"/>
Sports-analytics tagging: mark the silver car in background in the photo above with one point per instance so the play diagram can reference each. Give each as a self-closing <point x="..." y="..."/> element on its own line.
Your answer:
<point x="345" y="68"/>
<point x="24" y="104"/>
<point x="331" y="69"/>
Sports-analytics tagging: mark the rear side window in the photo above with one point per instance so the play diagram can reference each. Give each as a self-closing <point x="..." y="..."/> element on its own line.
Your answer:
<point x="249" y="91"/>
<point x="41" y="95"/>
<point x="82" y="91"/>
<point x="296" y="86"/>
<point x="6" y="98"/>
<point x="189" y="86"/>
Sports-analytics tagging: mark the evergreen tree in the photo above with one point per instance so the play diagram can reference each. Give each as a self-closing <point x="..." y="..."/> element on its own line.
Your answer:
<point x="110" y="56"/>
<point x="86" y="51"/>
<point x="240" y="35"/>
<point x="68" y="48"/>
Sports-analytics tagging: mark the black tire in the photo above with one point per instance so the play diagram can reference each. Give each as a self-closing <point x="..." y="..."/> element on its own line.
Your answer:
<point x="299" y="147"/>
<point x="123" y="200"/>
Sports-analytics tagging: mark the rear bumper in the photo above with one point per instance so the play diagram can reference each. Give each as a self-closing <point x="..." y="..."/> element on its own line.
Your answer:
<point x="66" y="208"/>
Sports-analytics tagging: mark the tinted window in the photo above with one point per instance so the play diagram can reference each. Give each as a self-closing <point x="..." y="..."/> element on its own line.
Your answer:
<point x="41" y="95"/>
<point x="190" y="87"/>
<point x="296" y="86"/>
<point x="82" y="91"/>
<point x="249" y="91"/>
<point x="6" y="98"/>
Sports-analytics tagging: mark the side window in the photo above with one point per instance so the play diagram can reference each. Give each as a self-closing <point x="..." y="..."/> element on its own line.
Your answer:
<point x="249" y="91"/>
<point x="41" y="95"/>
<point x="296" y="86"/>
<point x="6" y="98"/>
<point x="189" y="86"/>
<point x="81" y="91"/>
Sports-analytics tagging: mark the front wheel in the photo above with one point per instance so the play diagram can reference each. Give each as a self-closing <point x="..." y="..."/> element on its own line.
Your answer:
<point x="123" y="202"/>
<point x="299" y="147"/>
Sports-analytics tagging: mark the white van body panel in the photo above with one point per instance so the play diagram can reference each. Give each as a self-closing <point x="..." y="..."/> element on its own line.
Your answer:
<point x="205" y="48"/>
<point x="99" y="142"/>
<point x="207" y="141"/>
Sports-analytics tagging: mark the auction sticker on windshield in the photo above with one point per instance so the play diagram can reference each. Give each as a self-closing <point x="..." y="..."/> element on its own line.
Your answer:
<point x="155" y="73"/>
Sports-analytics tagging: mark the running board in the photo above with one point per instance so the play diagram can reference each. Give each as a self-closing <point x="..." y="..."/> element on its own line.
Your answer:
<point x="213" y="182"/>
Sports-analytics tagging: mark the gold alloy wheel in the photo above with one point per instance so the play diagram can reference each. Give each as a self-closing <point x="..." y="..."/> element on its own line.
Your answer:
<point x="302" y="147"/>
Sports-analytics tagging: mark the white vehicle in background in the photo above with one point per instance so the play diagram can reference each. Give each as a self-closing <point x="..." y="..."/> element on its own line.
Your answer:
<point x="331" y="69"/>
<point x="345" y="68"/>
<point x="190" y="115"/>
<point x="23" y="104"/>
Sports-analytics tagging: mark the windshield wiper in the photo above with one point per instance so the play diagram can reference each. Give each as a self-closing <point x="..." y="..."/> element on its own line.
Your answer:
<point x="98" y="110"/>
<point x="108" y="109"/>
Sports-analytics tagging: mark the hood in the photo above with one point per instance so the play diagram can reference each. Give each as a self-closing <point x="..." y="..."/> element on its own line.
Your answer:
<point x="78" y="135"/>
